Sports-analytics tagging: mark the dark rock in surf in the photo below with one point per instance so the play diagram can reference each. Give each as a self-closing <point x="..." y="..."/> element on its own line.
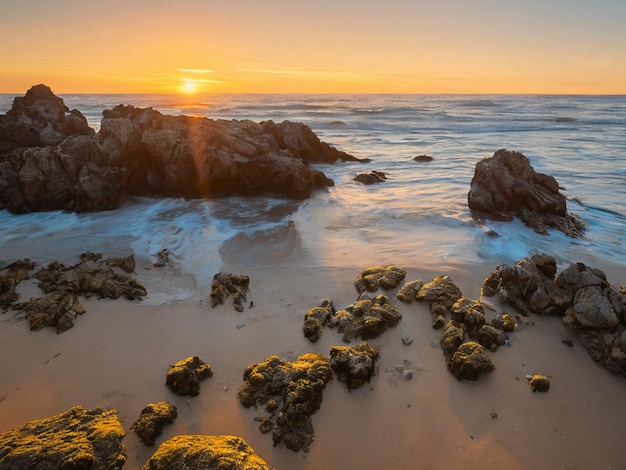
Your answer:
<point x="423" y="158"/>
<point x="506" y="186"/>
<point x="372" y="177"/>
<point x="51" y="160"/>
<point x="291" y="393"/>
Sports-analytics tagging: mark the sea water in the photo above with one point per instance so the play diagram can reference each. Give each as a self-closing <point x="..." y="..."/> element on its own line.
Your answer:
<point x="417" y="217"/>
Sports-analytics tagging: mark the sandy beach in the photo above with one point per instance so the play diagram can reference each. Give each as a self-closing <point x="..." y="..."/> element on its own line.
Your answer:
<point x="118" y="353"/>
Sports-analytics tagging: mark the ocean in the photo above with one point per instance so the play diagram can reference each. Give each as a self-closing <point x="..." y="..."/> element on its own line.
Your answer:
<point x="418" y="217"/>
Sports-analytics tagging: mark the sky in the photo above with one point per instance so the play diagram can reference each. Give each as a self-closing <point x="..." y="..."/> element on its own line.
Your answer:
<point x="306" y="46"/>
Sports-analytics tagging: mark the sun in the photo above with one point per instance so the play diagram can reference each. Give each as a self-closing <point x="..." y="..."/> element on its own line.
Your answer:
<point x="188" y="86"/>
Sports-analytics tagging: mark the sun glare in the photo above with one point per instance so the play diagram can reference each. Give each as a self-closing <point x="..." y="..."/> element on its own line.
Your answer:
<point x="188" y="86"/>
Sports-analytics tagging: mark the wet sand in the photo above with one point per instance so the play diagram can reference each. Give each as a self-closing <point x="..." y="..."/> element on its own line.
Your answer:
<point x="118" y="353"/>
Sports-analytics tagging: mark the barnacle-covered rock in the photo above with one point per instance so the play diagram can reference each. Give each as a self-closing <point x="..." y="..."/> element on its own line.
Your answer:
<point x="200" y="452"/>
<point x="379" y="277"/>
<point x="441" y="290"/>
<point x="365" y="319"/>
<point x="225" y="284"/>
<point x="58" y="309"/>
<point x="490" y="337"/>
<point x="291" y="392"/>
<point x="184" y="377"/>
<point x="452" y="337"/>
<point x="470" y="361"/>
<point x="78" y="439"/>
<point x="409" y="290"/>
<point x="153" y="417"/>
<point x="539" y="383"/>
<point x="316" y="318"/>
<point x="10" y="278"/>
<point x="354" y="365"/>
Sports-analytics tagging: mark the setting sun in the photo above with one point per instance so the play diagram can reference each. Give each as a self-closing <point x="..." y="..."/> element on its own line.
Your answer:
<point x="189" y="87"/>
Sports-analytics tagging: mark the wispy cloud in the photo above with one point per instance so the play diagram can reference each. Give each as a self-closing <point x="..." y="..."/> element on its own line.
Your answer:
<point x="196" y="71"/>
<point x="334" y="75"/>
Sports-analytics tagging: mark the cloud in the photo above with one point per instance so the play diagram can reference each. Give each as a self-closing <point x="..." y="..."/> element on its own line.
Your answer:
<point x="312" y="74"/>
<point x="198" y="71"/>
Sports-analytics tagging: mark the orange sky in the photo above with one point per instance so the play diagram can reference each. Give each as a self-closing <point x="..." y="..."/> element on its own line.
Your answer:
<point x="348" y="46"/>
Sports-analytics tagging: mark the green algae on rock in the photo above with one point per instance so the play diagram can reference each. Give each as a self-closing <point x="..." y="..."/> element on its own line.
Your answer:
<point x="78" y="439"/>
<point x="225" y="284"/>
<point x="200" y="452"/>
<point x="184" y="377"/>
<point x="316" y="318"/>
<point x="153" y="417"/>
<point x="290" y="392"/>
<point x="470" y="361"/>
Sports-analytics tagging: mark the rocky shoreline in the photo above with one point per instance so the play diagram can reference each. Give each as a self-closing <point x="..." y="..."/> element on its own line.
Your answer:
<point x="140" y="151"/>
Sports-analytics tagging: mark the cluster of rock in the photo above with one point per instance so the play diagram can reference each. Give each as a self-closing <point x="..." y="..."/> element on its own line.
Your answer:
<point x="588" y="304"/>
<point x="506" y="186"/>
<point x="225" y="284"/>
<point x="184" y="376"/>
<point x="371" y="177"/>
<point x="291" y="392"/>
<point x="51" y="159"/>
<point x="62" y="285"/>
<point x="367" y="318"/>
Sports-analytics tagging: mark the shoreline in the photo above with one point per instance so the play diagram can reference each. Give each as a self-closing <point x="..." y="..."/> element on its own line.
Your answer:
<point x="118" y="353"/>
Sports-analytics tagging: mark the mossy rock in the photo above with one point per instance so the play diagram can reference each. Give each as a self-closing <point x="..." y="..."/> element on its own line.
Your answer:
<point x="354" y="365"/>
<point x="470" y="361"/>
<point x="205" y="453"/>
<point x="78" y="439"/>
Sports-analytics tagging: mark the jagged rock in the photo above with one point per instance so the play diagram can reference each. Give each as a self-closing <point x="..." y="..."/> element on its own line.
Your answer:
<point x="205" y="452"/>
<point x="439" y="322"/>
<point x="581" y="295"/>
<point x="470" y="361"/>
<point x="409" y="290"/>
<point x="474" y="319"/>
<point x="354" y="365"/>
<point x="78" y="439"/>
<point x="58" y="310"/>
<point x="291" y="392"/>
<point x="539" y="383"/>
<point x="225" y="284"/>
<point x="505" y="322"/>
<point x="153" y="417"/>
<point x="372" y="177"/>
<point x="365" y="319"/>
<point x="506" y="186"/>
<point x="15" y="273"/>
<point x="379" y="277"/>
<point x="460" y="308"/>
<point x="441" y="290"/>
<point x="316" y="318"/>
<point x="184" y="377"/>
<point x="490" y="337"/>
<point x="452" y="337"/>
<point x="51" y="160"/>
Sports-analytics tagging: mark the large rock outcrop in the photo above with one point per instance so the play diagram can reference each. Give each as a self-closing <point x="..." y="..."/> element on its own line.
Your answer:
<point x="582" y="296"/>
<point x="50" y="159"/>
<point x="506" y="186"/>
<point x="78" y="439"/>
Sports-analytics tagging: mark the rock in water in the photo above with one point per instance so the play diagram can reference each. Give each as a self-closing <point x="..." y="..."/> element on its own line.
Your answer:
<point x="78" y="439"/>
<point x="153" y="417"/>
<point x="184" y="377"/>
<point x="290" y="392"/>
<point x="506" y="185"/>
<point x="205" y="453"/>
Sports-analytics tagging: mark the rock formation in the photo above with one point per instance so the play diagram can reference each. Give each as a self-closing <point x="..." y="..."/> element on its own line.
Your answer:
<point x="225" y="284"/>
<point x="51" y="160"/>
<point x="290" y="392"/>
<point x="153" y="417"/>
<point x="316" y="318"/>
<point x="78" y="439"/>
<point x="205" y="452"/>
<point x="354" y="365"/>
<point x="184" y="377"/>
<point x="580" y="295"/>
<point x="379" y="277"/>
<point x="506" y="186"/>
